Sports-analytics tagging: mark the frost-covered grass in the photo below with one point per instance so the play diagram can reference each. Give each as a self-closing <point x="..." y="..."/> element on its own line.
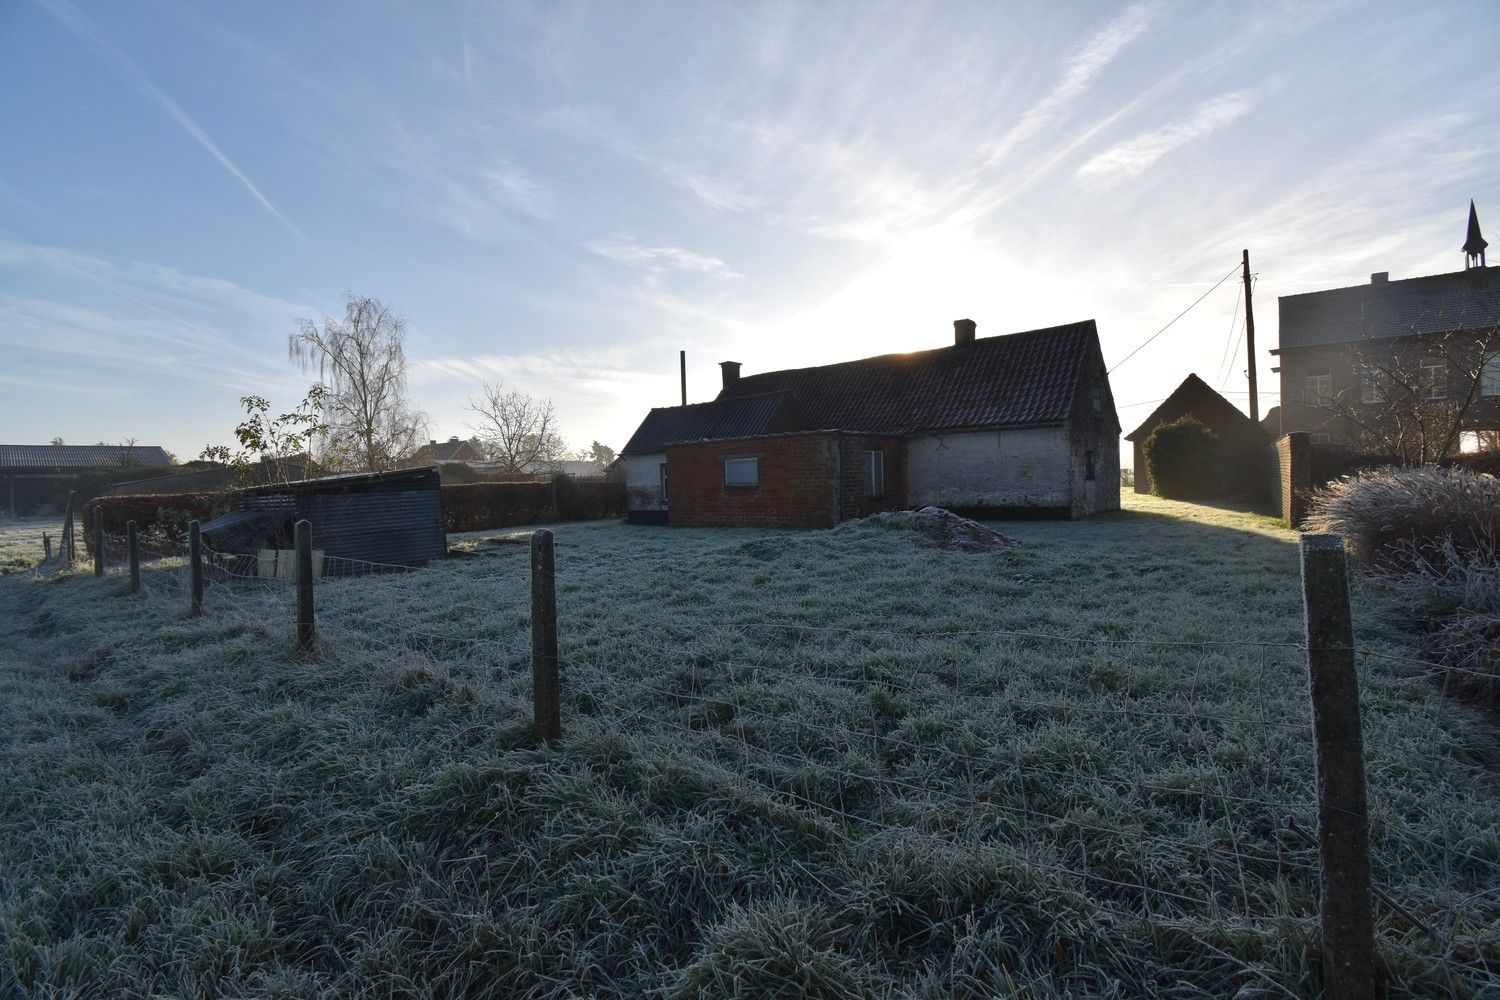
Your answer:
<point x="21" y="541"/>
<point x="794" y="764"/>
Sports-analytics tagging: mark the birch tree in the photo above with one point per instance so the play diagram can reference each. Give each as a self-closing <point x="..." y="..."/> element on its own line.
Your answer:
<point x="370" y="424"/>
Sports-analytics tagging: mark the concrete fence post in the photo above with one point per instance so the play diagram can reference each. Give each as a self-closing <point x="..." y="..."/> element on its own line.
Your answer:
<point x="195" y="570"/>
<point x="133" y="553"/>
<point x="67" y="535"/>
<point x="46" y="545"/>
<point x="98" y="541"/>
<point x="545" y="686"/>
<point x="305" y="632"/>
<point x="1345" y="909"/>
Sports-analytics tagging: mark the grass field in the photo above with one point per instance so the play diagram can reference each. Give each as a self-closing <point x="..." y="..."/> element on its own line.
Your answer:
<point x="21" y="541"/>
<point x="819" y="764"/>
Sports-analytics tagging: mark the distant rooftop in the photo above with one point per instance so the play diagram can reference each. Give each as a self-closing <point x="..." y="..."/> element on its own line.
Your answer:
<point x="83" y="456"/>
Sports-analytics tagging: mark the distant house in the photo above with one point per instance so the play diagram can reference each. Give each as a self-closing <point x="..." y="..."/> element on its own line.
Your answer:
<point x="35" y="474"/>
<point x="577" y="468"/>
<point x="1347" y="353"/>
<point x="1021" y="425"/>
<point x="1244" y="441"/>
<point x="439" y="452"/>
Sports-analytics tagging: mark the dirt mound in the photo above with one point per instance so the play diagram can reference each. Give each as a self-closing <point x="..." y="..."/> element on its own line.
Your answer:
<point x="944" y="528"/>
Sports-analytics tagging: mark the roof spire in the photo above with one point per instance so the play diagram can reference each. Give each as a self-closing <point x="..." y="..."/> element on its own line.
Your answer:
<point x="1475" y="243"/>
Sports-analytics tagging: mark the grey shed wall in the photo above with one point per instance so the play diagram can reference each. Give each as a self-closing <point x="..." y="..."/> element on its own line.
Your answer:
<point x="397" y="521"/>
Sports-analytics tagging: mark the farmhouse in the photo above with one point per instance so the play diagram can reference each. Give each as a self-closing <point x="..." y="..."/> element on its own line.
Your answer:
<point x="1243" y="441"/>
<point x="1018" y="425"/>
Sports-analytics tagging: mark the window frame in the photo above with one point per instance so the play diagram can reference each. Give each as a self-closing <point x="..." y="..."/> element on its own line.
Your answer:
<point x="874" y="464"/>
<point x="1317" y="398"/>
<point x="1434" y="386"/>
<point x="1489" y="375"/>
<point x="741" y="459"/>
<point x="1372" y="385"/>
<point x="661" y="472"/>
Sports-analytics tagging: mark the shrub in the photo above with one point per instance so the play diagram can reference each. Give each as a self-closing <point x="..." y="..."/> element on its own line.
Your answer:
<point x="1407" y="519"/>
<point x="158" y="517"/>
<point x="480" y="506"/>
<point x="1470" y="646"/>
<point x="1185" y="460"/>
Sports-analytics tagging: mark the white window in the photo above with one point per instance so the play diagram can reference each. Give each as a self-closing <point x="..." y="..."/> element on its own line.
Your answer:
<point x="1489" y="376"/>
<point x="663" y="469"/>
<point x="874" y="473"/>
<point x="1371" y="385"/>
<point x="742" y="472"/>
<point x="1318" y="388"/>
<point x="1435" y="379"/>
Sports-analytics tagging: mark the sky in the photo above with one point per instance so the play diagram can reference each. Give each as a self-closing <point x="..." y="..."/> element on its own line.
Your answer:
<point x="561" y="197"/>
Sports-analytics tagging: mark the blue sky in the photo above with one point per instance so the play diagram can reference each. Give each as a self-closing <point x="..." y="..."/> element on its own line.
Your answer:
<point x="563" y="196"/>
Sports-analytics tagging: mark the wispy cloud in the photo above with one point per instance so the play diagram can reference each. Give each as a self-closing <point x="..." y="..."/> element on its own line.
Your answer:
<point x="76" y="22"/>
<point x="1083" y="67"/>
<point x="661" y="259"/>
<point x="1134" y="156"/>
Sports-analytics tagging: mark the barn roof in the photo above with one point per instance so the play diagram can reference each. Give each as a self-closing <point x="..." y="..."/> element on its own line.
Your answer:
<point x="79" y="456"/>
<point x="1196" y="397"/>
<point x="1014" y="380"/>
<point x="1434" y="303"/>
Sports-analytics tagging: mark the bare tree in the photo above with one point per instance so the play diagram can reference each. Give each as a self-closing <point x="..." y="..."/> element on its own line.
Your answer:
<point x="370" y="424"/>
<point x="518" y="430"/>
<point x="1413" y="399"/>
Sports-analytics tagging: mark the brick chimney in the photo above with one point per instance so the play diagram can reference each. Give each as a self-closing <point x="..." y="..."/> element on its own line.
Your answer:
<point x="731" y="370"/>
<point x="963" y="332"/>
<point x="1380" y="277"/>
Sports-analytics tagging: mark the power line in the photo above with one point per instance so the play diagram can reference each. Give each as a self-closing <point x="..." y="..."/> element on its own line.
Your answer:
<point x="1229" y="335"/>
<point x="1229" y="371"/>
<point x="1179" y="316"/>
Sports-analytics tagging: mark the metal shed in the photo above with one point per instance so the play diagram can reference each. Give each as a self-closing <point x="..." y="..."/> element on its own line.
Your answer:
<point x="382" y="518"/>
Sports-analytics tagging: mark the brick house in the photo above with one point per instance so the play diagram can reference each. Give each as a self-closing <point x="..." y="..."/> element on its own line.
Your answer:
<point x="1019" y="425"/>
<point x="1244" y="442"/>
<point x="455" y="449"/>
<point x="1350" y="358"/>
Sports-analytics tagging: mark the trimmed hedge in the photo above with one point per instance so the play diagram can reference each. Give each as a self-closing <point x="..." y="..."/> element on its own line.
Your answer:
<point x="480" y="506"/>
<point x="162" y="516"/>
<point x="1185" y="461"/>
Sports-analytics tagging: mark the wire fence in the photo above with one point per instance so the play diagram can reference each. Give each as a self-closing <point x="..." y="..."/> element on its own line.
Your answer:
<point x="1156" y="781"/>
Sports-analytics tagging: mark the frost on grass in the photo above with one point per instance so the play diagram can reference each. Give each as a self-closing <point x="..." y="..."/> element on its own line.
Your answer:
<point x="794" y="764"/>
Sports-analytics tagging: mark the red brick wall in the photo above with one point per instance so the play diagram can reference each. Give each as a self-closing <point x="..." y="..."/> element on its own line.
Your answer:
<point x="798" y="483"/>
<point x="1294" y="465"/>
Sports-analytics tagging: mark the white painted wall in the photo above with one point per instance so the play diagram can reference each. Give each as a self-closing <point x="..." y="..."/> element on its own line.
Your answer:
<point x="643" y="481"/>
<point x="1013" y="468"/>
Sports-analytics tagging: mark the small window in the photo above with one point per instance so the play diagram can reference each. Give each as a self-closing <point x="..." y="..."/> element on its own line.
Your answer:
<point x="742" y="472"/>
<point x="1435" y="379"/>
<point x="1318" y="388"/>
<point x="1489" y="376"/>
<point x="1098" y="401"/>
<point x="1371" y="385"/>
<point x="1317" y="438"/>
<point x="1088" y="465"/>
<point x="663" y="469"/>
<point x="874" y="473"/>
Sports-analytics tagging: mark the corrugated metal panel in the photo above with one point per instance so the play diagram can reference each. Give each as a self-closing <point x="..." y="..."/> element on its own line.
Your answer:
<point x="70" y="456"/>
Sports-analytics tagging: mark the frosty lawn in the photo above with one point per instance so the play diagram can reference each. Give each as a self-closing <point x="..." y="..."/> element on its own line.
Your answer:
<point x="795" y="764"/>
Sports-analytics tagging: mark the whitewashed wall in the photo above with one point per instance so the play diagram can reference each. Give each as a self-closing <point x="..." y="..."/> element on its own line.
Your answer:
<point x="643" y="481"/>
<point x="1015" y="468"/>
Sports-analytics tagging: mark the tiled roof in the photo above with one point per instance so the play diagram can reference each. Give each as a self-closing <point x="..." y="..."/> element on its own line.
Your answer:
<point x="1196" y="397"/>
<point x="1434" y="303"/>
<point x="703" y="422"/>
<point x="78" y="456"/>
<point x="1014" y="380"/>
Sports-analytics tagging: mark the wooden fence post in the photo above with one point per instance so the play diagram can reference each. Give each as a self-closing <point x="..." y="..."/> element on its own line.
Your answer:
<point x="1345" y="910"/>
<point x="98" y="541"/>
<point x="67" y="535"/>
<point x="545" y="689"/>
<point x="46" y="545"/>
<point x="134" y="555"/>
<point x="195" y="570"/>
<point x="305" y="635"/>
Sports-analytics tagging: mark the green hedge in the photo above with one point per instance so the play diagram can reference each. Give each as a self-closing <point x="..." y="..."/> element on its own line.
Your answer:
<point x="1185" y="461"/>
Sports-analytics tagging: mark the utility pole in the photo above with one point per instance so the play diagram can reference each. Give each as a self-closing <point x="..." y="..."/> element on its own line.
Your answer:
<point x="682" y="365"/>
<point x="1250" y="343"/>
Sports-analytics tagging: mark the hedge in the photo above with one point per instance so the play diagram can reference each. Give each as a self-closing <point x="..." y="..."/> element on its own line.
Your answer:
<point x="163" y="516"/>
<point x="480" y="506"/>
<point x="1185" y="461"/>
